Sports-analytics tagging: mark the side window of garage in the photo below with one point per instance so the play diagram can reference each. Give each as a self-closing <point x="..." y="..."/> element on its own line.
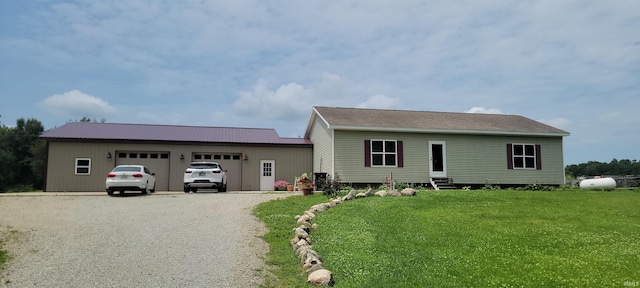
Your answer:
<point x="83" y="166"/>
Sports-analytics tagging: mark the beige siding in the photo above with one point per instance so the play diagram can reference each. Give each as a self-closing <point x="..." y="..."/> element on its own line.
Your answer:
<point x="61" y="166"/>
<point x="470" y="159"/>
<point x="320" y="136"/>
<point x="290" y="161"/>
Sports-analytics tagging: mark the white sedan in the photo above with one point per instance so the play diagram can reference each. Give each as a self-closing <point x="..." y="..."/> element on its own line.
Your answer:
<point x="131" y="178"/>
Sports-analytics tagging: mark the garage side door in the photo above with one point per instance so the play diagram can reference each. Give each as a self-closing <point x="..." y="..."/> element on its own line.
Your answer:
<point x="230" y="162"/>
<point x="157" y="162"/>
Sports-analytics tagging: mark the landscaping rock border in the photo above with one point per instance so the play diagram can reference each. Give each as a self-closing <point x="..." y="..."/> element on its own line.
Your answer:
<point x="311" y="260"/>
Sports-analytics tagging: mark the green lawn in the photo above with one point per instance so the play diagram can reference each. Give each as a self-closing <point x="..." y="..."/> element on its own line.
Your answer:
<point x="475" y="238"/>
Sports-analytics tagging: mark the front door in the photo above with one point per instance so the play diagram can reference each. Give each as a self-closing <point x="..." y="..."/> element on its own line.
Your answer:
<point x="267" y="174"/>
<point x="437" y="159"/>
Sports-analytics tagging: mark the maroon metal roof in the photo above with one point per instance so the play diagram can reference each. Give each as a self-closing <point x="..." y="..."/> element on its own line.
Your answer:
<point x="170" y="133"/>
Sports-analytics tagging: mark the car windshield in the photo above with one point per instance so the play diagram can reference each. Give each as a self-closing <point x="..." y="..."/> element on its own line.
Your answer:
<point x="204" y="166"/>
<point x="126" y="169"/>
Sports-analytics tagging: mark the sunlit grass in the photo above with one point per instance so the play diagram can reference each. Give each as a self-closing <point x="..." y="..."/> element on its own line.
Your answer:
<point x="472" y="239"/>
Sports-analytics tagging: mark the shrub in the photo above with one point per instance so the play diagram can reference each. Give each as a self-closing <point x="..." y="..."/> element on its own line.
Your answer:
<point x="400" y="186"/>
<point x="331" y="187"/>
<point x="536" y="187"/>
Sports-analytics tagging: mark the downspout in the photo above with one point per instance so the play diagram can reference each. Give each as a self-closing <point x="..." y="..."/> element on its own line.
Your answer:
<point x="333" y="153"/>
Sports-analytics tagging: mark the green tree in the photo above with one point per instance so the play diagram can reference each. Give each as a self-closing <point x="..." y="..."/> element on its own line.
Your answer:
<point x="6" y="159"/>
<point x="615" y="167"/>
<point x="17" y="159"/>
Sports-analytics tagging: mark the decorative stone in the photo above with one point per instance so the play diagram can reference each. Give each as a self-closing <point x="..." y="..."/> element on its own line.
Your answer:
<point x="300" y="244"/>
<point x="303" y="251"/>
<point x="381" y="193"/>
<point x="369" y="192"/>
<point x="311" y="262"/>
<point x="319" y="208"/>
<point x="361" y="195"/>
<point x="308" y="253"/>
<point x="322" y="277"/>
<point x="349" y="196"/>
<point x="310" y="214"/>
<point x="312" y="268"/>
<point x="408" y="192"/>
<point x="301" y="233"/>
<point x="394" y="193"/>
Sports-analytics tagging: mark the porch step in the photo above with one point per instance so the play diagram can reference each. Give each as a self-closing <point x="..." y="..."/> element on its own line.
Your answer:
<point x="442" y="184"/>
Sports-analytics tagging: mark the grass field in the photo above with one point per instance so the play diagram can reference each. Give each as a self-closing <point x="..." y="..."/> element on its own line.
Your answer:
<point x="479" y="238"/>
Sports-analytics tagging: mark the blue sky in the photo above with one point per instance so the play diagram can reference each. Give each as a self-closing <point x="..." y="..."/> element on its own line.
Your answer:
<point x="574" y="65"/>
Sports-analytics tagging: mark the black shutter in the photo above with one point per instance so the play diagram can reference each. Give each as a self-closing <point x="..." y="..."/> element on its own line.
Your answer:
<point x="538" y="158"/>
<point x="367" y="153"/>
<point x="400" y="154"/>
<point x="509" y="156"/>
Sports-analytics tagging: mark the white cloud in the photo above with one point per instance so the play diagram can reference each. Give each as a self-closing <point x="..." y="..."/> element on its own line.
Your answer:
<point x="483" y="110"/>
<point x="77" y="104"/>
<point x="380" y="102"/>
<point x="286" y="102"/>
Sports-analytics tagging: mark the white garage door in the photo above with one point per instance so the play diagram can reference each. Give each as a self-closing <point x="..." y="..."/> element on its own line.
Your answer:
<point x="229" y="161"/>
<point x="157" y="162"/>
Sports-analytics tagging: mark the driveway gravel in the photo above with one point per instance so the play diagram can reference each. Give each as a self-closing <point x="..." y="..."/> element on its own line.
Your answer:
<point x="157" y="240"/>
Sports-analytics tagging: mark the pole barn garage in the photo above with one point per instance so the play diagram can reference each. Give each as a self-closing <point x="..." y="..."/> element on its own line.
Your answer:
<point x="80" y="154"/>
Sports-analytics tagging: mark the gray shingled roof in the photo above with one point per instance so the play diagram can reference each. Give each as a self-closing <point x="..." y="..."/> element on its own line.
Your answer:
<point x="437" y="122"/>
<point x="171" y="133"/>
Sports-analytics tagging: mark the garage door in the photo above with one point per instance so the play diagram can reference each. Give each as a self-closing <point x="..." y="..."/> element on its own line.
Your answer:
<point x="157" y="162"/>
<point x="230" y="162"/>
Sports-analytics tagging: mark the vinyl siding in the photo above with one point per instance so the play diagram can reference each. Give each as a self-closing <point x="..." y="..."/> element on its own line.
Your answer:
<point x="471" y="159"/>
<point x="483" y="159"/>
<point x="349" y="155"/>
<point x="320" y="136"/>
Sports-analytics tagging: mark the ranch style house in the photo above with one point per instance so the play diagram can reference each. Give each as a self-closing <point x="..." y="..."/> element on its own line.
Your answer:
<point x="357" y="146"/>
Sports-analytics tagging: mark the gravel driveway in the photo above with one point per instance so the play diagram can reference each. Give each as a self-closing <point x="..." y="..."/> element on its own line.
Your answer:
<point x="158" y="240"/>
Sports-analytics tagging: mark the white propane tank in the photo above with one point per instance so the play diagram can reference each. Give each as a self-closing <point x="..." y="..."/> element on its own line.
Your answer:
<point x="598" y="184"/>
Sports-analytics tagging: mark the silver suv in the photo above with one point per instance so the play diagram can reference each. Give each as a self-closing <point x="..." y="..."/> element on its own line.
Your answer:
<point x="205" y="175"/>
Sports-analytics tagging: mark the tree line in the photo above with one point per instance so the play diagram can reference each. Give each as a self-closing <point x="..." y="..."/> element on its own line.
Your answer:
<point x="595" y="168"/>
<point x="22" y="156"/>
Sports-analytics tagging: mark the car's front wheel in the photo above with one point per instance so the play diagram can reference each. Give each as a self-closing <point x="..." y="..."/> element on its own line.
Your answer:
<point x="186" y="189"/>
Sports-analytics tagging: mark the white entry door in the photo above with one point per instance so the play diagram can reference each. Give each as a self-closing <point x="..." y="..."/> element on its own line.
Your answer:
<point x="267" y="174"/>
<point x="437" y="159"/>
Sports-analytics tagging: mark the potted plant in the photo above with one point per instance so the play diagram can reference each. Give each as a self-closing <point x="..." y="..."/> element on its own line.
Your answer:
<point x="280" y="185"/>
<point x="305" y="184"/>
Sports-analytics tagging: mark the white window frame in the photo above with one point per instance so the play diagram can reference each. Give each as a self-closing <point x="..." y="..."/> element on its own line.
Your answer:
<point x="524" y="157"/>
<point x="77" y="165"/>
<point x="384" y="153"/>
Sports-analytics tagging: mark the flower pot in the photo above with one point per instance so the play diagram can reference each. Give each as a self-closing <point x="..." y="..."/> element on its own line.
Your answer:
<point x="307" y="191"/>
<point x="281" y="188"/>
<point x="289" y="187"/>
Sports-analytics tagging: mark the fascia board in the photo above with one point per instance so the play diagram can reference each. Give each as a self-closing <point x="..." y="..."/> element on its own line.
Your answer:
<point x="444" y="131"/>
<point x="314" y="114"/>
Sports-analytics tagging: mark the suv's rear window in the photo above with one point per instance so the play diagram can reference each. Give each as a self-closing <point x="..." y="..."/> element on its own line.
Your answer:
<point x="203" y="166"/>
